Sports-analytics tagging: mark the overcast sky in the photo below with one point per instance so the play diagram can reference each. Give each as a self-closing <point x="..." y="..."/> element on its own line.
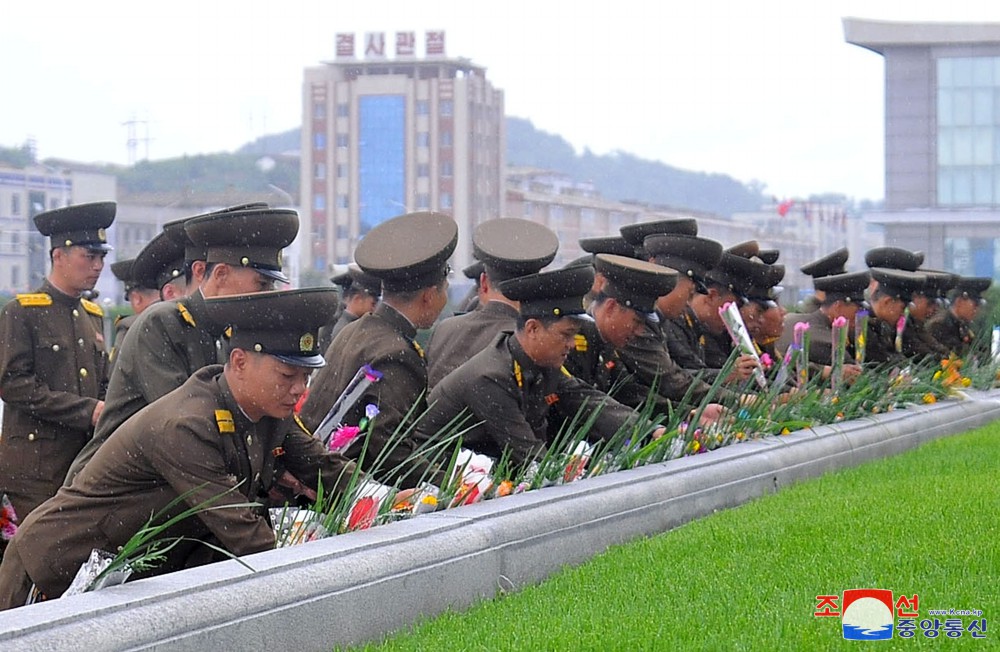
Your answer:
<point x="755" y="89"/>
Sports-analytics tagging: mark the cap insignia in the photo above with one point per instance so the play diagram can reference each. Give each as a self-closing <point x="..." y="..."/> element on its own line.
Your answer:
<point x="102" y="235"/>
<point x="306" y="343"/>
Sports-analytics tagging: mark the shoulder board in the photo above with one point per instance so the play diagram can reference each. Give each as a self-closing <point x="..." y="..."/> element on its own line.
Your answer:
<point x="91" y="307"/>
<point x="565" y="372"/>
<point x="517" y="375"/>
<point x="416" y="347"/>
<point x="39" y="299"/>
<point x="185" y="314"/>
<point x="581" y="342"/>
<point x="302" y="425"/>
<point x="224" y="418"/>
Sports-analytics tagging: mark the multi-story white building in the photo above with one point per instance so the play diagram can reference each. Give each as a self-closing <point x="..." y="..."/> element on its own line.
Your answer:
<point x="386" y="133"/>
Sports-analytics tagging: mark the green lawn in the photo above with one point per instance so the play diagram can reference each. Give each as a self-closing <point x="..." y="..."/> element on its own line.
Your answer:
<point x="925" y="522"/>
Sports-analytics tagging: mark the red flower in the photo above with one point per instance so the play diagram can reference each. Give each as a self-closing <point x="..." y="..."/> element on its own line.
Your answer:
<point x="363" y="514"/>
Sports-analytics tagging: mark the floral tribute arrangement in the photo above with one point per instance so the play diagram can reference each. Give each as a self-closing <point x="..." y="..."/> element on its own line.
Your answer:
<point x="8" y="519"/>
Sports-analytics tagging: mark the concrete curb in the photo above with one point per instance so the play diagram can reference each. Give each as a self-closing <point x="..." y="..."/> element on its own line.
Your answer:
<point x="355" y="588"/>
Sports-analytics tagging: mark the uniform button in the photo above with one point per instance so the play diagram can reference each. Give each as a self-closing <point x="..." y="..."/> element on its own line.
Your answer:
<point x="31" y="436"/>
<point x="76" y="313"/>
<point x="83" y="373"/>
<point x="80" y="341"/>
<point x="249" y="440"/>
<point x="55" y="347"/>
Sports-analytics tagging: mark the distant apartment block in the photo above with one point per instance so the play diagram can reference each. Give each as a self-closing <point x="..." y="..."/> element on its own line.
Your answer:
<point x="386" y="131"/>
<point x="942" y="139"/>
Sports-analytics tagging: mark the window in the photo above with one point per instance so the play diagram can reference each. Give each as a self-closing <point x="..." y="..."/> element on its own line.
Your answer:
<point x="423" y="107"/>
<point x="319" y="141"/>
<point x="447" y="169"/>
<point x="446" y="107"/>
<point x="342" y="140"/>
<point x="319" y="111"/>
<point x="342" y="233"/>
<point x="341" y="170"/>
<point x="423" y="139"/>
<point x="968" y="128"/>
<point x="15" y="276"/>
<point x="446" y="200"/>
<point x="529" y="209"/>
<point x="319" y="171"/>
<point x="343" y="201"/>
<point x="319" y="202"/>
<point x="343" y="110"/>
<point x="423" y="201"/>
<point x="53" y="203"/>
<point x="15" y="204"/>
<point x="446" y="139"/>
<point x="423" y="170"/>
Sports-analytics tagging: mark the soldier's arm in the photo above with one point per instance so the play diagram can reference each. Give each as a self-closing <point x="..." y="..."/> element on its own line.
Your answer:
<point x="306" y="458"/>
<point x="574" y="394"/>
<point x="502" y="419"/>
<point x="21" y="385"/>
<point x="154" y="360"/>
<point x="647" y="359"/>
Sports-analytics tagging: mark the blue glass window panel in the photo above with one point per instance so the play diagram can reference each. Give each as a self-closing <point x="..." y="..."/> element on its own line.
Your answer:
<point x="381" y="159"/>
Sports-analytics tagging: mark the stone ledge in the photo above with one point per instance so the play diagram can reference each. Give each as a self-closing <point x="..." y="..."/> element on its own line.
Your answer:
<point x="356" y="587"/>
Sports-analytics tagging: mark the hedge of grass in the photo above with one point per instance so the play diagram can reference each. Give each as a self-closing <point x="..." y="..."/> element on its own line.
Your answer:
<point x="923" y="522"/>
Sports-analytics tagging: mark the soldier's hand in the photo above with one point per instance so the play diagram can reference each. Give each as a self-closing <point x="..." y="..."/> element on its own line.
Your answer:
<point x="659" y="432"/>
<point x="712" y="413"/>
<point x="743" y="369"/>
<point x="98" y="409"/>
<point x="851" y="373"/>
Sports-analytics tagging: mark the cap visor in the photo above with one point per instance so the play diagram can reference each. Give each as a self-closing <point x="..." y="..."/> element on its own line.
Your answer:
<point x="277" y="275"/>
<point x="311" y="361"/>
<point x="100" y="247"/>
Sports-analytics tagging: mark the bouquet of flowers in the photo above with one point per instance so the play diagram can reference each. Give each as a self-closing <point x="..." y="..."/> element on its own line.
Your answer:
<point x="839" y="350"/>
<point x="344" y="436"/>
<point x="8" y="519"/>
<point x="731" y="316"/>
<point x="355" y="389"/>
<point x="472" y="476"/>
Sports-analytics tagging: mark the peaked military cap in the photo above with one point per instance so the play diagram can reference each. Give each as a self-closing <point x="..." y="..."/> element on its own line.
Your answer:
<point x="937" y="283"/>
<point x="409" y="252"/>
<point x="122" y="270"/>
<point x="769" y="256"/>
<point x="474" y="271"/>
<point x="898" y="283"/>
<point x="691" y="256"/>
<point x="762" y="281"/>
<point x="829" y="265"/>
<point x="893" y="258"/>
<point x="635" y="234"/>
<point x="511" y="246"/>
<point x="159" y="262"/>
<point x="558" y="293"/>
<point x="747" y="249"/>
<point x="582" y="261"/>
<point x="732" y="273"/>
<point x="636" y="284"/>
<point x="355" y="278"/>
<point x="970" y="287"/>
<point x="252" y="237"/>
<point x="848" y="287"/>
<point x="80" y="224"/>
<point x="608" y="244"/>
<point x="282" y="323"/>
<point x="193" y="251"/>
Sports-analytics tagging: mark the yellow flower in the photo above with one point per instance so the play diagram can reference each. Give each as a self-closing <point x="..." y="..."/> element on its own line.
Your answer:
<point x="937" y="375"/>
<point x="835" y="400"/>
<point x="785" y="431"/>
<point x="966" y="381"/>
<point x="740" y="435"/>
<point x="696" y="447"/>
<point x="929" y="398"/>
<point x="718" y="438"/>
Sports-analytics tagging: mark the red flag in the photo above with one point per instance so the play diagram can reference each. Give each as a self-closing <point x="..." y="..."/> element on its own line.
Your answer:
<point x="785" y="206"/>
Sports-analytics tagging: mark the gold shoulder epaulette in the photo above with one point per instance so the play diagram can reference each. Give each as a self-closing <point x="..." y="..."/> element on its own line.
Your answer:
<point x="225" y="420"/>
<point x="581" y="342"/>
<point x="186" y="314"/>
<point x="416" y="347"/>
<point x="91" y="307"/>
<point x="38" y="299"/>
<point x="517" y="375"/>
<point x="565" y="372"/>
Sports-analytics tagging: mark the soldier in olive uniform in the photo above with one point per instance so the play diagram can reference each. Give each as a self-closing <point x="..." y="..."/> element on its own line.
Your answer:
<point x="918" y="342"/>
<point x="508" y="248"/>
<point x="510" y="387"/>
<point x="829" y="265"/>
<point x="893" y="289"/>
<point x="173" y="339"/>
<point x="843" y="295"/>
<point x="359" y="295"/>
<point x="410" y="255"/>
<point x="953" y="327"/>
<point x="473" y="296"/>
<point x="139" y="295"/>
<point x="53" y="362"/>
<point x="222" y="436"/>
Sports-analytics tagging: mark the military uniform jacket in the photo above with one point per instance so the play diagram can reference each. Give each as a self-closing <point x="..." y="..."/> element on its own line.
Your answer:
<point x="918" y="342"/>
<point x="820" y="338"/>
<point x="718" y="348"/>
<point x="194" y="436"/>
<point x="596" y="362"/>
<point x="686" y="340"/>
<point x="384" y="340"/>
<point x="951" y="332"/>
<point x="508" y="399"/>
<point x="167" y="343"/>
<point x="53" y="371"/>
<point x="646" y="357"/>
<point x="458" y="338"/>
<point x="881" y="346"/>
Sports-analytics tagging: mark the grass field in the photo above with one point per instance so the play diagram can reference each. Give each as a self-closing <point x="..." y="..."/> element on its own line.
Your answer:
<point x="925" y="522"/>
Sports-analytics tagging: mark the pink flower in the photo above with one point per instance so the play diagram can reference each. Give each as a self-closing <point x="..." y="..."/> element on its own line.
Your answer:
<point x="765" y="359"/>
<point x="840" y="322"/>
<point x="8" y="531"/>
<point x="343" y="437"/>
